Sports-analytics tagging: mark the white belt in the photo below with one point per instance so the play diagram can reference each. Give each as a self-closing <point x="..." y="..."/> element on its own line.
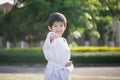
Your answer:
<point x="58" y="66"/>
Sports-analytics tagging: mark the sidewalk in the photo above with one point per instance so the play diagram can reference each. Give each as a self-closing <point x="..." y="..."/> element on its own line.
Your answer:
<point x="97" y="72"/>
<point x="79" y="72"/>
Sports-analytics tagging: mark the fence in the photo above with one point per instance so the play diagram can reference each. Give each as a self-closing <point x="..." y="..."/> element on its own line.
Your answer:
<point x="21" y="44"/>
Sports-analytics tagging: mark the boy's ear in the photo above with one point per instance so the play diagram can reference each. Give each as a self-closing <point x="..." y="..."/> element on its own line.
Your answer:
<point x="65" y="28"/>
<point x="49" y="28"/>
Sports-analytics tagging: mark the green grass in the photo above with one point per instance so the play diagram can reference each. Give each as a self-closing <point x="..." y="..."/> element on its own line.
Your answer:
<point x="35" y="78"/>
<point x="35" y="55"/>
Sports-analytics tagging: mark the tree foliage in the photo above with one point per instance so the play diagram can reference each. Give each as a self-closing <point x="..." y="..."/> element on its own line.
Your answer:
<point x="109" y="9"/>
<point x="30" y="21"/>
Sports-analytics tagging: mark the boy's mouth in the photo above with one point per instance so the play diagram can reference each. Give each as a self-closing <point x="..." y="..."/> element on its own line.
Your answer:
<point x="58" y="31"/>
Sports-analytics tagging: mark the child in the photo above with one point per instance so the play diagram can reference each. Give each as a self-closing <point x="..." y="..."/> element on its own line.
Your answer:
<point x="56" y="49"/>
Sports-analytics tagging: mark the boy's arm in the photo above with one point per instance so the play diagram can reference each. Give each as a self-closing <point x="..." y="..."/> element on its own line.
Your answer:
<point x="49" y="40"/>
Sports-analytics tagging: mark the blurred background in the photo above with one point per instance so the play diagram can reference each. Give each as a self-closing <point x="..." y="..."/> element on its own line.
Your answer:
<point x="93" y="35"/>
<point x="23" y="23"/>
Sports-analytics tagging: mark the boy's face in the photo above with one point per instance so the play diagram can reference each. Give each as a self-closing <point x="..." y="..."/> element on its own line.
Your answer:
<point x="57" y="27"/>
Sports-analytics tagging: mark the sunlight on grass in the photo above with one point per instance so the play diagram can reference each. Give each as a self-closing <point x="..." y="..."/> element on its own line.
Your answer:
<point x="19" y="78"/>
<point x="36" y="78"/>
<point x="92" y="79"/>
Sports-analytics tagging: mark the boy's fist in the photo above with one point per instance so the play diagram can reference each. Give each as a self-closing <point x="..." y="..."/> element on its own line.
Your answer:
<point x="69" y="63"/>
<point x="53" y="36"/>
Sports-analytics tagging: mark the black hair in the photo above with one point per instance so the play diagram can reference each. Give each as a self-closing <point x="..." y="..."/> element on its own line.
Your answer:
<point x="56" y="17"/>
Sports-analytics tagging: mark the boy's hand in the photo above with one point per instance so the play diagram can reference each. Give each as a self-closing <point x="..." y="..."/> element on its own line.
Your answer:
<point x="69" y="63"/>
<point x="53" y="36"/>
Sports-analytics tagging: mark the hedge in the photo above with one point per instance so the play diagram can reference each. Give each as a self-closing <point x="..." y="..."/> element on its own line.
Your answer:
<point x="95" y="48"/>
<point x="19" y="55"/>
<point x="35" y="55"/>
<point x="95" y="57"/>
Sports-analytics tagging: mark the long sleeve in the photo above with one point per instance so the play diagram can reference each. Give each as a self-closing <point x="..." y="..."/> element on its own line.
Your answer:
<point x="48" y="46"/>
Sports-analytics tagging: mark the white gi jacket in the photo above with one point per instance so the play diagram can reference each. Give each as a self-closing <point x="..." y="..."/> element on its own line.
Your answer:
<point x="57" y="53"/>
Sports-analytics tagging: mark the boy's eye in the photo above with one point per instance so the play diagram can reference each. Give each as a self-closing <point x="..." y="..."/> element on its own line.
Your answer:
<point x="55" y="26"/>
<point x="61" y="25"/>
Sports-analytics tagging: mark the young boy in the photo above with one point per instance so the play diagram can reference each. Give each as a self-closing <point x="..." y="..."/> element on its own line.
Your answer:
<point x="56" y="49"/>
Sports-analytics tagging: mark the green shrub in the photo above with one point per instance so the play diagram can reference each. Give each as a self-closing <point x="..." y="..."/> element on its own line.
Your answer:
<point x="35" y="55"/>
<point x="96" y="57"/>
<point x="95" y="48"/>
<point x="26" y="55"/>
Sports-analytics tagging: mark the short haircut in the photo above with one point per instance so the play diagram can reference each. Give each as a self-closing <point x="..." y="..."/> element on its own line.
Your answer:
<point x="56" y="17"/>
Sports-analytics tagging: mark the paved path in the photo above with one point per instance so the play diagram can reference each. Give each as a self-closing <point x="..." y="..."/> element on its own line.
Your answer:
<point x="97" y="72"/>
<point x="80" y="72"/>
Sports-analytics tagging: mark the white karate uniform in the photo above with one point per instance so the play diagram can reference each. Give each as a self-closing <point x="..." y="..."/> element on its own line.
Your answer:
<point x="57" y="53"/>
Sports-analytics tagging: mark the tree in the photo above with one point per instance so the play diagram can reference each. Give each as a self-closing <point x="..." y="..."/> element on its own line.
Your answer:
<point x="1" y="14"/>
<point x="109" y="9"/>
<point x="25" y="22"/>
<point x="30" y="21"/>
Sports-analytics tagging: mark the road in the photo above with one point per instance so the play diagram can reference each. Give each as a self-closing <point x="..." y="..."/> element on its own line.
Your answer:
<point x="79" y="72"/>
